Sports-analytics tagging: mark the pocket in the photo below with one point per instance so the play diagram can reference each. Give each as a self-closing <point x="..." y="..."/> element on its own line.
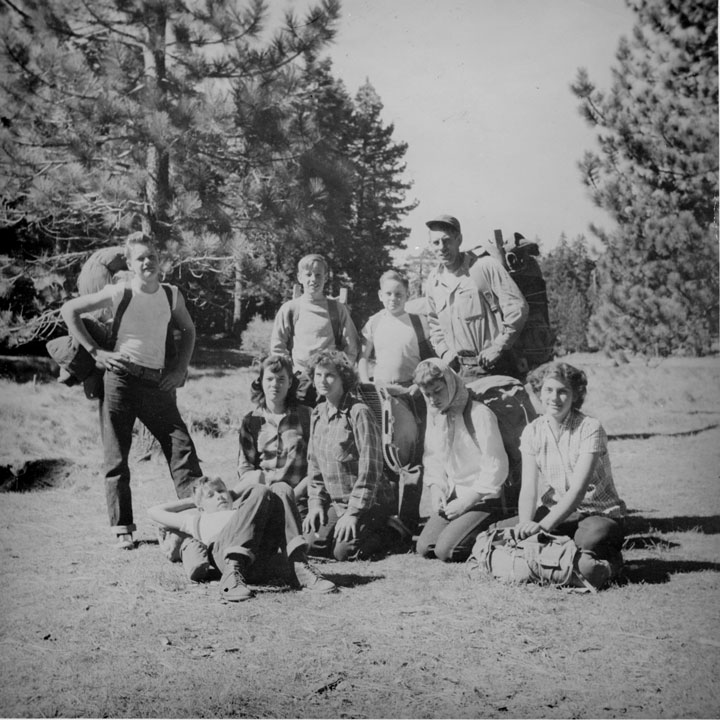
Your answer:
<point x="468" y="305"/>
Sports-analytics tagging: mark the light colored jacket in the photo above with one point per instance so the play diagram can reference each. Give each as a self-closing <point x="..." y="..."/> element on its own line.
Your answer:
<point x="476" y="307"/>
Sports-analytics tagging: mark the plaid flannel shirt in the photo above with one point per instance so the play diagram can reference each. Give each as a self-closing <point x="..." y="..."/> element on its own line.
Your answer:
<point x="279" y="449"/>
<point x="345" y="464"/>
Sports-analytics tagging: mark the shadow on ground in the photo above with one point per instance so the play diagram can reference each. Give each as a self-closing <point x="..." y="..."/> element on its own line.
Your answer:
<point x="706" y="524"/>
<point x="654" y="571"/>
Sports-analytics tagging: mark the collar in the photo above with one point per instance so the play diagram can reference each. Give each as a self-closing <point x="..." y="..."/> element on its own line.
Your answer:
<point x="342" y="409"/>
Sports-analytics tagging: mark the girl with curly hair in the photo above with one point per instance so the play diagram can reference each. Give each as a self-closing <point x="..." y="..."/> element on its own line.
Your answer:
<point x="349" y="497"/>
<point x="565" y="457"/>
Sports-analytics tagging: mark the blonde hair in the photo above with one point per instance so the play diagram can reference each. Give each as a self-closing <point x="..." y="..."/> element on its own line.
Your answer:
<point x="395" y="275"/>
<point x="204" y="484"/>
<point x="138" y="238"/>
<point x="308" y="261"/>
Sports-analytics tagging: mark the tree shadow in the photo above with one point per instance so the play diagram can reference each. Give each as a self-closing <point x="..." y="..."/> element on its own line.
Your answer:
<point x="648" y="542"/>
<point x="655" y="572"/>
<point x="706" y="524"/>
<point x="351" y="580"/>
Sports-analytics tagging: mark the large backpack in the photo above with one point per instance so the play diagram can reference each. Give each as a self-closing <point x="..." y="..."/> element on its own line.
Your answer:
<point x="513" y="408"/>
<point x="536" y="342"/>
<point x="543" y="558"/>
<point x="401" y="439"/>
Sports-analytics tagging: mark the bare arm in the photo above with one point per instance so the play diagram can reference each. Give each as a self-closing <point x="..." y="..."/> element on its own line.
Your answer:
<point x="166" y="514"/>
<point x="175" y="376"/>
<point x="72" y="312"/>
<point x="364" y="361"/>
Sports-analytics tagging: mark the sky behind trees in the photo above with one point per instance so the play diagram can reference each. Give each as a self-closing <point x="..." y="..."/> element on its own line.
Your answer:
<point x="480" y="89"/>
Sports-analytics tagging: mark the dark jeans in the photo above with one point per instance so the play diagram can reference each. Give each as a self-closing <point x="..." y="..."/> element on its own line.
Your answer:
<point x="126" y="399"/>
<point x="453" y="540"/>
<point x="372" y="537"/>
<point x="294" y="538"/>
<point x="255" y="529"/>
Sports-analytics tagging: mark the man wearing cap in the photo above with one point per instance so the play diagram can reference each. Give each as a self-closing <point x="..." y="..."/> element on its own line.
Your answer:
<point x="476" y="311"/>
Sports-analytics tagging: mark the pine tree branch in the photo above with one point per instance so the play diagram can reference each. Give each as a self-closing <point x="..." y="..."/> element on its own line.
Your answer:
<point x="14" y="57"/>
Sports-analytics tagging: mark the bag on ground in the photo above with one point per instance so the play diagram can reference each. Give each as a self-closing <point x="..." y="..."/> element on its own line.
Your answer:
<point x="544" y="558"/>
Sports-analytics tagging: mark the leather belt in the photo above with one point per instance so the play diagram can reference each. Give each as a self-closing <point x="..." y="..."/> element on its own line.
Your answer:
<point x="468" y="360"/>
<point x="141" y="372"/>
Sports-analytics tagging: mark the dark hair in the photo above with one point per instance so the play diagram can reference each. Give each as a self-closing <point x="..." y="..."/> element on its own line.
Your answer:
<point x="340" y="361"/>
<point x="275" y="363"/>
<point x="569" y="375"/>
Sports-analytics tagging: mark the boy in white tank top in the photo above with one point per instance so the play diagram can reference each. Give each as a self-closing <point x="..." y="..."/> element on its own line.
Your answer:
<point x="137" y="383"/>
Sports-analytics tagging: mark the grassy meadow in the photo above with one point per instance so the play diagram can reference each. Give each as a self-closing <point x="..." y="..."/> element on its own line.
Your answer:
<point x="88" y="631"/>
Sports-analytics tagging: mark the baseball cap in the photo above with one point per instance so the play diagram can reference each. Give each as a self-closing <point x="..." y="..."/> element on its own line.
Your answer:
<point x="444" y="221"/>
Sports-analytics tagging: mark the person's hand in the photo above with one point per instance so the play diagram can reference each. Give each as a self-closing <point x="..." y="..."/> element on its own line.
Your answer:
<point x="457" y="507"/>
<point x="172" y="379"/>
<point x="346" y="528"/>
<point x="108" y="359"/>
<point x="314" y="520"/>
<point x="488" y="358"/>
<point x="437" y="498"/>
<point x="527" y="529"/>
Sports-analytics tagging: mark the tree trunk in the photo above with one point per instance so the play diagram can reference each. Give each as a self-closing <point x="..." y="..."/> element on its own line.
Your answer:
<point x="157" y="186"/>
<point x="237" y="303"/>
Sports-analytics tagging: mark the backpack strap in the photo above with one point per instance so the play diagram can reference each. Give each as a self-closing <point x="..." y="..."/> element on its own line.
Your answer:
<point x="293" y="310"/>
<point x="122" y="307"/>
<point x="480" y="279"/>
<point x="426" y="349"/>
<point x="467" y="417"/>
<point x="334" y="313"/>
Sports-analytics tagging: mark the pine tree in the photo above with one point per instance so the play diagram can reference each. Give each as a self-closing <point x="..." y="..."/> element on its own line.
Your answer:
<point x="378" y="199"/>
<point x="569" y="274"/>
<point x="657" y="176"/>
<point x="120" y="112"/>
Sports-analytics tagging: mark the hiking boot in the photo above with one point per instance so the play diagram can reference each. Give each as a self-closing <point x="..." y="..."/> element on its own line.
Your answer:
<point x="233" y="587"/>
<point x="310" y="579"/>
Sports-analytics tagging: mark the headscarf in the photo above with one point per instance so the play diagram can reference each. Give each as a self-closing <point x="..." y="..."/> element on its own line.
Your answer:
<point x="444" y="420"/>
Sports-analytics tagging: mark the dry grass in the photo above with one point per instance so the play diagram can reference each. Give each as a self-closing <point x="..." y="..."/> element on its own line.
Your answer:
<point x="87" y="631"/>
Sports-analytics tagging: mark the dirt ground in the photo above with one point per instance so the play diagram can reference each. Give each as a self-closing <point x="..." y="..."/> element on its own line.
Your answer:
<point x="87" y="631"/>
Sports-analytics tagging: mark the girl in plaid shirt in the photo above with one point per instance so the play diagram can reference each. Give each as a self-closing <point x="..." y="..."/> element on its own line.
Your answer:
<point x="565" y="453"/>
<point x="349" y="498"/>
<point x="273" y="448"/>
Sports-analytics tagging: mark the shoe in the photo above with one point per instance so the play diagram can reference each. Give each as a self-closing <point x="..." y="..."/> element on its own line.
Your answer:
<point x="310" y="579"/>
<point x="125" y="541"/>
<point x="170" y="543"/>
<point x="232" y="585"/>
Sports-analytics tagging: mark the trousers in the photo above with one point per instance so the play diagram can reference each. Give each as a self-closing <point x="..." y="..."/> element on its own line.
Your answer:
<point x="453" y="540"/>
<point x="127" y="398"/>
<point x="372" y="537"/>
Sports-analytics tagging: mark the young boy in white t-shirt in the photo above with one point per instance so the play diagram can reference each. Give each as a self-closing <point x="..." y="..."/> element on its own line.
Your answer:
<point x="396" y="338"/>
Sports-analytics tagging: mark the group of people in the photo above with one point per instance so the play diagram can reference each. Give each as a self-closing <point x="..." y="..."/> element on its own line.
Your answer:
<point x="311" y="480"/>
